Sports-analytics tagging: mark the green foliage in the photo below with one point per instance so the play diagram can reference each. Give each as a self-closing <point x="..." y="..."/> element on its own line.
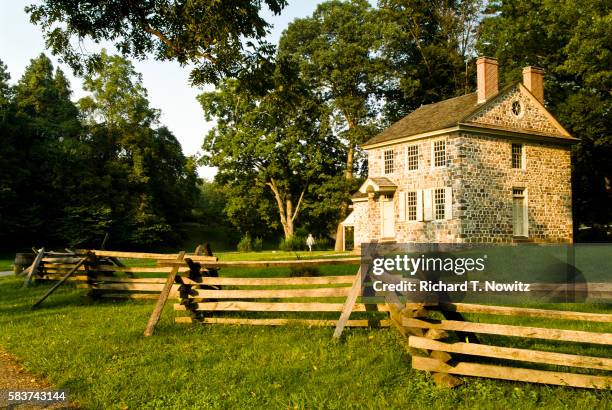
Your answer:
<point x="246" y="243"/>
<point x="571" y="41"/>
<point x="269" y="148"/>
<point x="70" y="174"/>
<point x="293" y="243"/>
<point x="214" y="36"/>
<point x="427" y="51"/>
<point x="336" y="51"/>
<point x="258" y="244"/>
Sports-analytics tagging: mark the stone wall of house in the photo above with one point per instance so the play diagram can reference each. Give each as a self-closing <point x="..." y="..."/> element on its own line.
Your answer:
<point x="363" y="231"/>
<point x="530" y="118"/>
<point x="484" y="197"/>
<point x="480" y="173"/>
<point x="426" y="176"/>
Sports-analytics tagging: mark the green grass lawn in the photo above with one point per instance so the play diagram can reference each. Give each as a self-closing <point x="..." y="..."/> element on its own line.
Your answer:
<point x="97" y="351"/>
<point x="6" y="262"/>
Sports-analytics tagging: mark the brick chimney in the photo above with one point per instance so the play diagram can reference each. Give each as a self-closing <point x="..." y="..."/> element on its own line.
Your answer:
<point x="486" y="78"/>
<point x="533" y="80"/>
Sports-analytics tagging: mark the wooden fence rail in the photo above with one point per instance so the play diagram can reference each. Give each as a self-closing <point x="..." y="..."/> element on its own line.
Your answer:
<point x="447" y="358"/>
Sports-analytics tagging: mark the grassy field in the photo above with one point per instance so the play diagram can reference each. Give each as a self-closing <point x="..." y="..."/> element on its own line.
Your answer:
<point x="6" y="262"/>
<point x="96" y="350"/>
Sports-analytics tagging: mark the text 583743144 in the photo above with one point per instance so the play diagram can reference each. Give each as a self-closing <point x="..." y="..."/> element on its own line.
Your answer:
<point x="33" y="396"/>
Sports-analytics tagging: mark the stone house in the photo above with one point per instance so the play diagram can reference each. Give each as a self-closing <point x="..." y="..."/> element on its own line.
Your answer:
<point x="492" y="166"/>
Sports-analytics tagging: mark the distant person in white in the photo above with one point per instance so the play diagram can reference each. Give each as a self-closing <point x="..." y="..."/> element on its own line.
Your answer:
<point x="310" y="242"/>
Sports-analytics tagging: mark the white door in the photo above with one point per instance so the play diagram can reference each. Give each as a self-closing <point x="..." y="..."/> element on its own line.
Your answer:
<point x="388" y="218"/>
<point x="518" y="213"/>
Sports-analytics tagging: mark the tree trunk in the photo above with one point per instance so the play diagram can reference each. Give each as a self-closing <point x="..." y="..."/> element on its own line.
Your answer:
<point x="286" y="211"/>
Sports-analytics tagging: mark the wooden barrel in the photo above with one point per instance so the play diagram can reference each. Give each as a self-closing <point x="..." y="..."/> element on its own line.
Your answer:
<point x="22" y="261"/>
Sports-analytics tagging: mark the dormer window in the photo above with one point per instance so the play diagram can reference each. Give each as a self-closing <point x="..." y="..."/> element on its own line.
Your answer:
<point x="389" y="165"/>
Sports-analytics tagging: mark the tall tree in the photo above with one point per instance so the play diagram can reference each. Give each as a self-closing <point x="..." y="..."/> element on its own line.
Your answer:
<point x="10" y="175"/>
<point x="145" y="182"/>
<point x="215" y="36"/>
<point x="427" y="46"/>
<point x="47" y="128"/>
<point x="336" y="50"/>
<point x="270" y="149"/>
<point x="572" y="41"/>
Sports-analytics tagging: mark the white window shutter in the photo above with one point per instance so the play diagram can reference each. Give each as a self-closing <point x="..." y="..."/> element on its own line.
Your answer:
<point x="419" y="205"/>
<point x="432" y="157"/>
<point x="428" y="204"/>
<point x="402" y="206"/>
<point x="448" y="205"/>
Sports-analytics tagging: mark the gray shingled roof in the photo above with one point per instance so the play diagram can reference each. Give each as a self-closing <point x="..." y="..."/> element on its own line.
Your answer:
<point x="440" y="115"/>
<point x="431" y="117"/>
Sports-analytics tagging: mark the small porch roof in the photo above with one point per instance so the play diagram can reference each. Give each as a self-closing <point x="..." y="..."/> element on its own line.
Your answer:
<point x="350" y="220"/>
<point x="377" y="184"/>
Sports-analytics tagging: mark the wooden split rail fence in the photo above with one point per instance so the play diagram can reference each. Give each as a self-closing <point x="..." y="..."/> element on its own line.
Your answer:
<point x="446" y="347"/>
<point x="308" y="300"/>
<point x="433" y="349"/>
<point x="202" y="296"/>
<point x="108" y="277"/>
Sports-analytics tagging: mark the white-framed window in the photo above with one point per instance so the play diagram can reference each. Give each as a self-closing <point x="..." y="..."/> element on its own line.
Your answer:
<point x="412" y="157"/>
<point x="411" y="206"/>
<point x="520" y="224"/>
<point x="518" y="156"/>
<point x="439" y="203"/>
<point x="389" y="161"/>
<point x="438" y="154"/>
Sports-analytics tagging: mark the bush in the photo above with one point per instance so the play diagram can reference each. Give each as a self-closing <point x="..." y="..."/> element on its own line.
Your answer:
<point x="245" y="244"/>
<point x="293" y="243"/>
<point x="323" y="243"/>
<point x="258" y="244"/>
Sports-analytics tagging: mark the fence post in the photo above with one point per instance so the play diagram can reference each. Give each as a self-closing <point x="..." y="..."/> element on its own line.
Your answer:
<point x="163" y="296"/>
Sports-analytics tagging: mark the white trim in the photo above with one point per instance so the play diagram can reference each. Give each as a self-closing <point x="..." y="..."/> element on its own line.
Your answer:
<point x="384" y="161"/>
<point x="433" y="204"/>
<point x="448" y="205"/>
<point x="483" y="129"/>
<point x="525" y="216"/>
<point x="382" y="201"/>
<point x="428" y="214"/>
<point x="418" y="157"/>
<point x="433" y="155"/>
<point x="411" y="138"/>
<point x="419" y="199"/>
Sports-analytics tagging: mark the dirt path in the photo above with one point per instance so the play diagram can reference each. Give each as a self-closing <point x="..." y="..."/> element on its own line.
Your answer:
<point x="13" y="377"/>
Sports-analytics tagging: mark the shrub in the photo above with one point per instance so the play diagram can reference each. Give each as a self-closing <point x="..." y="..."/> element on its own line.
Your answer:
<point x="245" y="244"/>
<point x="293" y="243"/>
<point x="323" y="243"/>
<point x="258" y="244"/>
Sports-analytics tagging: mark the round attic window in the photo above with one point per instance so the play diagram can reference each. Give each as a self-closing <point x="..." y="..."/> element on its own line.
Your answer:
<point x="517" y="108"/>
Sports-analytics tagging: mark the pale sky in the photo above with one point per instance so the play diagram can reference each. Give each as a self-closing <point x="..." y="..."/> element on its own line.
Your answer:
<point x="166" y="82"/>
